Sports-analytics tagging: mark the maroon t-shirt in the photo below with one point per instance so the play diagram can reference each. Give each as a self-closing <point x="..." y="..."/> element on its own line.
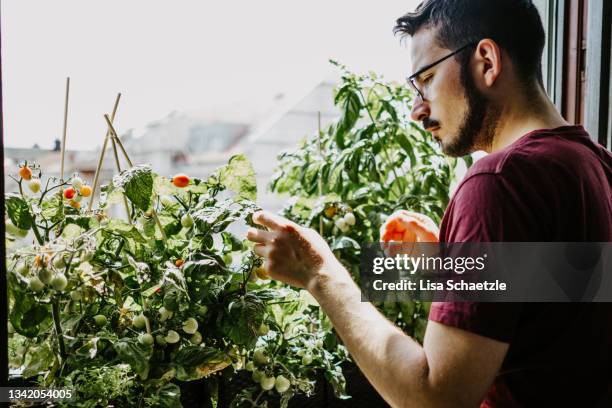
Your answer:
<point x="550" y="185"/>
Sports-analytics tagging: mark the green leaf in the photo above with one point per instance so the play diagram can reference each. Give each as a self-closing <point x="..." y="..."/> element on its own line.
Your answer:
<point x="18" y="211"/>
<point x="238" y="176"/>
<point x="120" y="227"/>
<point x="135" y="354"/>
<point x="41" y="358"/>
<point x="192" y="356"/>
<point x="28" y="317"/>
<point x="137" y="184"/>
<point x="52" y="208"/>
<point x="169" y="396"/>
<point x="243" y="319"/>
<point x="343" y="243"/>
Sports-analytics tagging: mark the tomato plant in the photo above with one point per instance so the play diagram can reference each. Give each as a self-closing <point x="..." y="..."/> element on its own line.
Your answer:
<point x="345" y="180"/>
<point x="124" y="311"/>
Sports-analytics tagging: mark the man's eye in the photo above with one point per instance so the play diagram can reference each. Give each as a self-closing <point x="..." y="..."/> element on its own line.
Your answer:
<point x="427" y="79"/>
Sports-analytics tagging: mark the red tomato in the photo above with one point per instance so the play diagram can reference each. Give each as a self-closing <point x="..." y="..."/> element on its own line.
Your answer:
<point x="180" y="180"/>
<point x="69" y="193"/>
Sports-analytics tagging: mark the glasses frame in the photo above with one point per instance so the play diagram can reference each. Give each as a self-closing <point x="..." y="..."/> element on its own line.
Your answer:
<point x="412" y="78"/>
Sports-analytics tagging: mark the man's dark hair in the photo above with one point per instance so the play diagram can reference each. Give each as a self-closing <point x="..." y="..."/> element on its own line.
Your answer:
<point x="514" y="25"/>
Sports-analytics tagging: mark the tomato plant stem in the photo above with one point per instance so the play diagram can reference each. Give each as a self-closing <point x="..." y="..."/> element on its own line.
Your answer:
<point x="58" y="328"/>
<point x="384" y="147"/>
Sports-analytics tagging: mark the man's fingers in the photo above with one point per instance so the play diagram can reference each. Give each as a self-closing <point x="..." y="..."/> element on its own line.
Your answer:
<point x="261" y="250"/>
<point x="260" y="236"/>
<point x="267" y="219"/>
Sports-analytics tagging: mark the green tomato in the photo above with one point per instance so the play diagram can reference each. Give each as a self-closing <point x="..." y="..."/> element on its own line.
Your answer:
<point x="172" y="337"/>
<point x="263" y="329"/>
<point x="45" y="275"/>
<point x="164" y="314"/>
<point x="267" y="383"/>
<point x="34" y="185"/>
<point x="281" y="384"/>
<point x="260" y="358"/>
<point x="307" y="358"/>
<point x="146" y="339"/>
<point x="59" y="262"/>
<point x="160" y="340"/>
<point x="23" y="269"/>
<point x="190" y="326"/>
<point x="76" y="294"/>
<point x="250" y="366"/>
<point x="349" y="219"/>
<point x="256" y="376"/>
<point x="202" y="310"/>
<point x="196" y="338"/>
<point x="36" y="285"/>
<point x="59" y="282"/>
<point x="77" y="182"/>
<point x="11" y="329"/>
<point x="100" y="320"/>
<point x="139" y="322"/>
<point x="187" y="221"/>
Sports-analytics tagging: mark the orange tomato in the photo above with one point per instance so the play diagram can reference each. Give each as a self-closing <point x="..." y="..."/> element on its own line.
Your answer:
<point x="180" y="180"/>
<point x="179" y="262"/>
<point x="330" y="211"/>
<point x="25" y="172"/>
<point x="85" y="191"/>
<point x="75" y="204"/>
<point x="261" y="273"/>
<point x="41" y="260"/>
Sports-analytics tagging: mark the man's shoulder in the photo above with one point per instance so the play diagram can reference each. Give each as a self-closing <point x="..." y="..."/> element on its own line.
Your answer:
<point x="548" y="150"/>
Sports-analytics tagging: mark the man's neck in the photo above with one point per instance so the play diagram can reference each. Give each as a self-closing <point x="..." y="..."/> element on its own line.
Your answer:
<point x="522" y="117"/>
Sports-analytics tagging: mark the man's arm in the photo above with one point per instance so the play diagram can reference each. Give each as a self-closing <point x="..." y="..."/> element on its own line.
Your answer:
<point x="453" y="367"/>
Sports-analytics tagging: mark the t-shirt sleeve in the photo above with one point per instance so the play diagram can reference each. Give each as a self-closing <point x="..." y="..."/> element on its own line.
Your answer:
<point x="484" y="209"/>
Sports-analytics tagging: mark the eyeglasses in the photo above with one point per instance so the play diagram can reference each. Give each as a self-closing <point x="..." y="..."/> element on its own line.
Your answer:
<point x="413" y="78"/>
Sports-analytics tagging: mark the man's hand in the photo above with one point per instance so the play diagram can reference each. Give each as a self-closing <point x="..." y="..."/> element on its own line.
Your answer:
<point x="293" y="254"/>
<point x="409" y="226"/>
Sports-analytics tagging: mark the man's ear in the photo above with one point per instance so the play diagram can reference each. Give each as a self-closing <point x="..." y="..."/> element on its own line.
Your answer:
<point x="488" y="61"/>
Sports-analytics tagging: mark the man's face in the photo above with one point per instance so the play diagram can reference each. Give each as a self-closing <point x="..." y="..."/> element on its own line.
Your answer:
<point x="456" y="113"/>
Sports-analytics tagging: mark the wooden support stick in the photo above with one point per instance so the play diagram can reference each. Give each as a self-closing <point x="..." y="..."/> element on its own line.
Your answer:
<point x="101" y="160"/>
<point x="116" y="138"/>
<point x="65" y="129"/>
<point x="320" y="178"/>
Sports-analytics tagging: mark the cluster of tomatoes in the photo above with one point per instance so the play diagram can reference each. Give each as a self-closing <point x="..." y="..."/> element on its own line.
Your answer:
<point x="76" y="192"/>
<point x="25" y="172"/>
<point x="343" y="222"/>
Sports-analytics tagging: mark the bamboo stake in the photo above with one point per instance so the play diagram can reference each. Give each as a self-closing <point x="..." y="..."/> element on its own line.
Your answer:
<point x="96" y="177"/>
<point x="118" y="164"/>
<point x="116" y="139"/>
<point x="64" y="132"/>
<point x="320" y="178"/>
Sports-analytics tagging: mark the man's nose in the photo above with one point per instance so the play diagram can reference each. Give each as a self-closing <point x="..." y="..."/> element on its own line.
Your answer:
<point x="420" y="110"/>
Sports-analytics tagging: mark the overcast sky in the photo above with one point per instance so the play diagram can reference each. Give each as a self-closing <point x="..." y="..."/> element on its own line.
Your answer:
<point x="166" y="56"/>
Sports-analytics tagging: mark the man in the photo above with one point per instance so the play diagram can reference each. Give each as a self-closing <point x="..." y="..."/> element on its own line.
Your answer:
<point x="478" y="86"/>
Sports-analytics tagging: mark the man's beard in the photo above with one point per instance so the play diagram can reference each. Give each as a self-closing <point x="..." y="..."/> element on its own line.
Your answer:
<point x="479" y="123"/>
